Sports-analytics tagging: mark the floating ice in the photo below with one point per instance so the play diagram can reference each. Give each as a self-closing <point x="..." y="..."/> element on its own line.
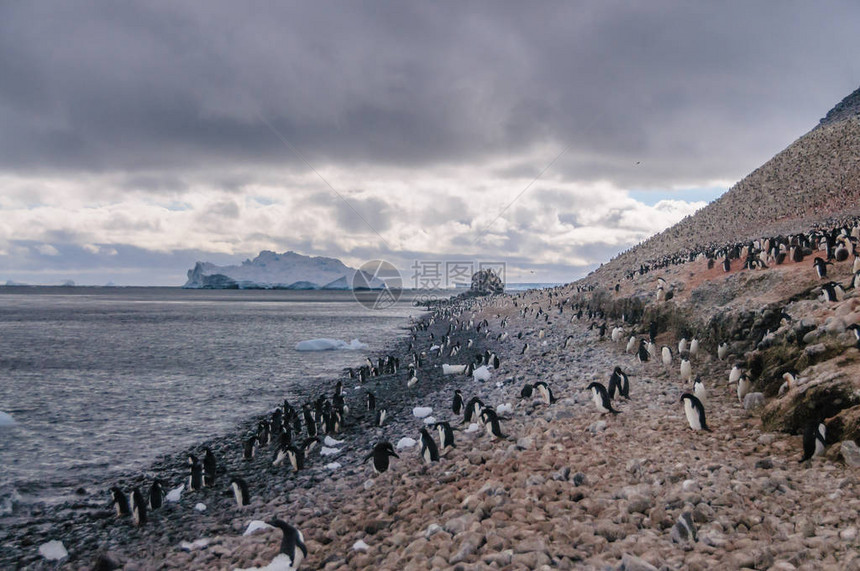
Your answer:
<point x="453" y="369"/>
<point x="326" y="451"/>
<point x="53" y="550"/>
<point x="174" y="494"/>
<point x="482" y="373"/>
<point x="256" y="525"/>
<point x="503" y="408"/>
<point x="405" y="442"/>
<point x="6" y="419"/>
<point x="329" y="441"/>
<point x="200" y="507"/>
<point x="280" y="563"/>
<point x="430" y="420"/>
<point x="360" y="546"/>
<point x="333" y="466"/>
<point x="422" y="411"/>
<point x="330" y="345"/>
<point x="473" y="428"/>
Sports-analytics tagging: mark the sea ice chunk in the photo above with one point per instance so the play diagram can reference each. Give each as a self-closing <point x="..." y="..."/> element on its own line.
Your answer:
<point x="422" y="411"/>
<point x="53" y="550"/>
<point x="405" y="442"/>
<point x="329" y="345"/>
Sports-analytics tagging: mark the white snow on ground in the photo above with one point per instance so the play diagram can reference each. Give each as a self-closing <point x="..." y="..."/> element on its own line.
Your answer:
<point x="430" y="420"/>
<point x="329" y="441"/>
<point x="200" y="507"/>
<point x="174" y="494"/>
<point x="503" y="408"/>
<point x="333" y="466"/>
<point x="422" y="411"/>
<point x="453" y="369"/>
<point x="405" y="442"/>
<point x="473" y="428"/>
<point x="360" y="546"/>
<point x="481" y="374"/>
<point x="53" y="550"/>
<point x="326" y="451"/>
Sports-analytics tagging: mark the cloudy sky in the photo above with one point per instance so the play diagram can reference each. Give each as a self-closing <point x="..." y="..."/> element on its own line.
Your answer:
<point x="138" y="138"/>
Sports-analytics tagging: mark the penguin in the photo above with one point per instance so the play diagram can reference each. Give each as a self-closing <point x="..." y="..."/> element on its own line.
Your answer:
<point x="309" y="444"/>
<point x="620" y="381"/>
<point x="722" y="351"/>
<point x="281" y="455"/>
<point x="631" y="344"/>
<point x="138" y="508"/>
<point x="240" y="491"/>
<point x="744" y="386"/>
<point x="682" y="345"/>
<point x="297" y="458"/>
<point x="413" y="380"/>
<point x="686" y="369"/>
<point x="694" y="347"/>
<point x="380" y="454"/>
<point x="263" y="433"/>
<point x="821" y="267"/>
<point x="156" y="495"/>
<point x="210" y="466"/>
<point x="667" y="356"/>
<point x="727" y="265"/>
<point x="491" y="422"/>
<point x="790" y="381"/>
<point x="195" y="479"/>
<point x="642" y="354"/>
<point x="567" y="341"/>
<point x="545" y="392"/>
<point x="525" y="348"/>
<point x="496" y="361"/>
<point x="527" y="391"/>
<point x="833" y="291"/>
<point x="119" y="501"/>
<point x="473" y="409"/>
<point x="652" y="331"/>
<point x="855" y="329"/>
<point x="735" y="374"/>
<point x="429" y="450"/>
<point x="700" y="391"/>
<point x="813" y="440"/>
<point x="695" y="412"/>
<point x="457" y="405"/>
<point x="446" y="434"/>
<point x="601" y="398"/>
<point x="292" y="543"/>
<point x="249" y="448"/>
<point x="380" y="417"/>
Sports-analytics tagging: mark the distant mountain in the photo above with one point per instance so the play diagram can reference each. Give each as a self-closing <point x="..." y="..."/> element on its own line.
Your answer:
<point x="270" y="270"/>
<point x="814" y="179"/>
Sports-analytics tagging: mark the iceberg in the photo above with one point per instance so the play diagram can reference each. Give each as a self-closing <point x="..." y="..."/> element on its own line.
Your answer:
<point x="330" y="345"/>
<point x="6" y="419"/>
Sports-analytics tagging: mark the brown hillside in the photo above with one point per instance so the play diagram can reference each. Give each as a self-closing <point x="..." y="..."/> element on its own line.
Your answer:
<point x="814" y="179"/>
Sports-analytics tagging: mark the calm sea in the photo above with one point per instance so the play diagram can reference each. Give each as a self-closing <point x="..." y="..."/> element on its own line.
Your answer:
<point x="101" y="381"/>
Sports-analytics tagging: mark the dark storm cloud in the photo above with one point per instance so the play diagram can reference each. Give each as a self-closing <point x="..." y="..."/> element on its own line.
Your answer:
<point x="691" y="91"/>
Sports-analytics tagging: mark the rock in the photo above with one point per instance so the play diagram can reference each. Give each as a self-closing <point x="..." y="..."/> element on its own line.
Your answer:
<point x="764" y="463"/>
<point x="633" y="563"/>
<point x="816" y="349"/>
<point x="525" y="443"/>
<point x="639" y="504"/>
<point x="753" y="401"/>
<point x="684" y="530"/>
<point x="598" y="426"/>
<point x="468" y="545"/>
<point x="703" y="513"/>
<point x="850" y="453"/>
<point x="578" y="479"/>
<point x="375" y="526"/>
<point x="610" y="531"/>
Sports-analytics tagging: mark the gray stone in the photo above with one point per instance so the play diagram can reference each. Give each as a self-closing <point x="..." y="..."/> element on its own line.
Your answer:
<point x="764" y="464"/>
<point x="598" y="426"/>
<point x="850" y="453"/>
<point x="816" y="349"/>
<point x="525" y="443"/>
<point x="578" y="479"/>
<point x="633" y="563"/>
<point x="753" y="401"/>
<point x="684" y="530"/>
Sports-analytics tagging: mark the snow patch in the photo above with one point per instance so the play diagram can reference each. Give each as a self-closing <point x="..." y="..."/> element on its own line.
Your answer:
<point x="200" y="507"/>
<point x="405" y="442"/>
<point x="324" y="344"/>
<point x="196" y="544"/>
<point x="473" y="428"/>
<point x="53" y="550"/>
<point x="326" y="451"/>
<point x="329" y="441"/>
<point x="360" y="546"/>
<point x="453" y="369"/>
<point x="256" y="525"/>
<point x="333" y="466"/>
<point x="422" y="411"/>
<point x="482" y="374"/>
<point x="174" y="494"/>
<point x="503" y="408"/>
<point x="430" y="420"/>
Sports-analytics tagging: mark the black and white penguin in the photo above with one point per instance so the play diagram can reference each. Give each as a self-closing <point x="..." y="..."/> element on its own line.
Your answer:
<point x="491" y="423"/>
<point x="744" y="386"/>
<point x="156" y="495"/>
<point x="195" y="479"/>
<point x="527" y="391"/>
<point x="700" y="391"/>
<point x="380" y="454"/>
<point x="821" y="267"/>
<point x="666" y="353"/>
<point x="813" y="440"/>
<point x="210" y="466"/>
<point x="855" y="329"/>
<point x="263" y="433"/>
<point x="545" y="392"/>
<point x="446" y="434"/>
<point x="496" y="362"/>
<point x="370" y="401"/>
<point x="727" y="264"/>
<point x="457" y="405"/>
<point x="525" y="348"/>
<point x="567" y="341"/>
<point x="601" y="398"/>
<point x="833" y="291"/>
<point x="642" y="353"/>
<point x="249" y="448"/>
<point x="240" y="491"/>
<point x="292" y="543"/>
<point x="722" y="351"/>
<point x="473" y="409"/>
<point x="296" y="457"/>
<point x="380" y="417"/>
<point x="138" y="508"/>
<point x="119" y="501"/>
<point x="429" y="450"/>
<point x="619" y="381"/>
<point x="695" y="412"/>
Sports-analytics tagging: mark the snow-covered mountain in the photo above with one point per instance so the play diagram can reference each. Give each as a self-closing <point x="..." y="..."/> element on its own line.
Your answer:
<point x="271" y="270"/>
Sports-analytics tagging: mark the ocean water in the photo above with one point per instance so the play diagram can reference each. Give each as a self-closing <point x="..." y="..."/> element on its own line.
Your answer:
<point x="102" y="381"/>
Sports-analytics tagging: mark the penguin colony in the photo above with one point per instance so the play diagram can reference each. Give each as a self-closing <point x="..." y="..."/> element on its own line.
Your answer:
<point x="285" y="438"/>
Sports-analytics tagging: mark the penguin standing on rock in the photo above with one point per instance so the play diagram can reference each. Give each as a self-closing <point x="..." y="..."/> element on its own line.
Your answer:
<point x="601" y="398"/>
<point x="545" y="392"/>
<point x="700" y="391"/>
<point x="527" y="391"/>
<point x="138" y="508"/>
<point x="429" y="450"/>
<point x="292" y="543"/>
<point x="249" y="448"/>
<point x="210" y="466"/>
<point x="380" y="454"/>
<point x="195" y="479"/>
<point x="620" y="382"/>
<point x="821" y="267"/>
<point x="457" y="405"/>
<point x="156" y="495"/>
<point x="642" y="353"/>
<point x="240" y="491"/>
<point x="813" y="440"/>
<point x="446" y="434"/>
<point x="119" y="501"/>
<point x="695" y="412"/>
